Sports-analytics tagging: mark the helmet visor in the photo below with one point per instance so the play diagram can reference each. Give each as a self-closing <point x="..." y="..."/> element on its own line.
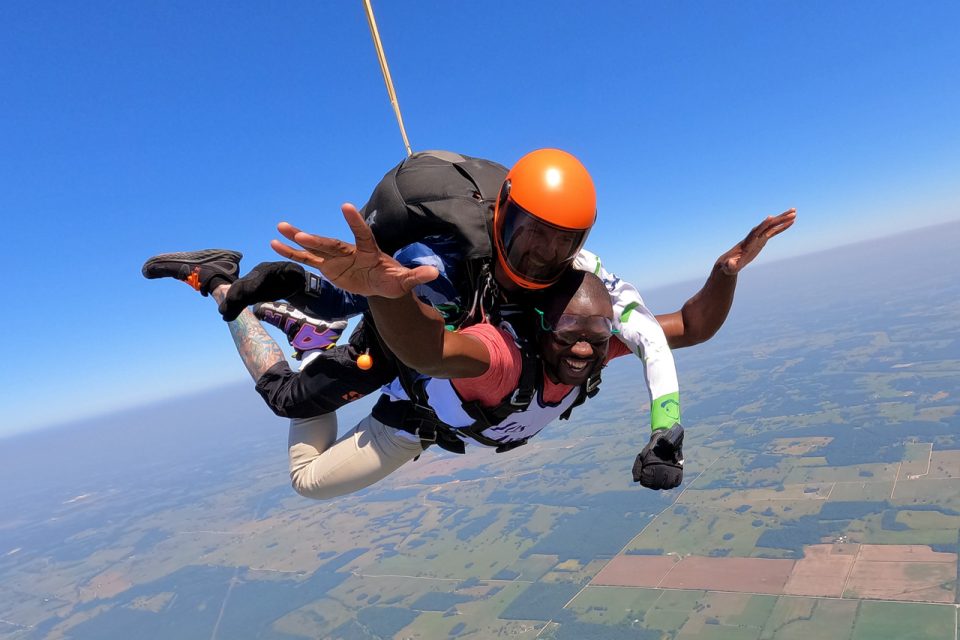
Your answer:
<point x="534" y="249"/>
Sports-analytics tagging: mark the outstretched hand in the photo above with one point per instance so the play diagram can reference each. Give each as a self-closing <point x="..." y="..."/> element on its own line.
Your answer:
<point x="749" y="248"/>
<point x="361" y="268"/>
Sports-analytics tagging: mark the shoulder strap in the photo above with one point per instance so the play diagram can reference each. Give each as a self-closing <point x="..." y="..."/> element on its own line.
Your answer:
<point x="588" y="389"/>
<point x="531" y="379"/>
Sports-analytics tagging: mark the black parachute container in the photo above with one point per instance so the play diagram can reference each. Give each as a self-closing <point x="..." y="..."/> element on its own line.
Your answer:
<point x="437" y="193"/>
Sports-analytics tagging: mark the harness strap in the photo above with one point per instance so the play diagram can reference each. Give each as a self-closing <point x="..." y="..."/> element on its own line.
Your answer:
<point x="531" y="379"/>
<point x="418" y="420"/>
<point x="422" y="422"/>
<point x="588" y="389"/>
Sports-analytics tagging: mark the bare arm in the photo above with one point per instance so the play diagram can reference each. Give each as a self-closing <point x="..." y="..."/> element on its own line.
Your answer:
<point x="415" y="333"/>
<point x="701" y="316"/>
<point x="412" y="330"/>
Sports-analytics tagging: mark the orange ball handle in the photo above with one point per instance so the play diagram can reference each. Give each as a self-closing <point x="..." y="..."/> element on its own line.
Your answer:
<point x="365" y="362"/>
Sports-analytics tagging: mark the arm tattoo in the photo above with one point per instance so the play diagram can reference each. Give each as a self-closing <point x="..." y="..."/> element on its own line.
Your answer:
<point x="257" y="349"/>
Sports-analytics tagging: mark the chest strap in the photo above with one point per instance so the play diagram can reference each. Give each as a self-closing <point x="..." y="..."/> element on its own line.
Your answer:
<point x="423" y="423"/>
<point x="419" y="420"/>
<point x="531" y="379"/>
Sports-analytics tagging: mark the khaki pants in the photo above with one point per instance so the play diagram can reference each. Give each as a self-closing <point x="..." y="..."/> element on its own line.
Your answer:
<point x="322" y="469"/>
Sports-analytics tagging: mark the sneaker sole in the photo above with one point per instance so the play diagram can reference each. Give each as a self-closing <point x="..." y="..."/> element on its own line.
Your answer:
<point x="279" y="308"/>
<point x="279" y="314"/>
<point x="284" y="309"/>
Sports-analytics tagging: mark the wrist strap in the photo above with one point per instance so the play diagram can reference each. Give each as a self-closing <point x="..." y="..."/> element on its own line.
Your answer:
<point x="313" y="284"/>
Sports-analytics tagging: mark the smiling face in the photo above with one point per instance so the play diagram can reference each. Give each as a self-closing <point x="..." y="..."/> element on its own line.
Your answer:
<point x="579" y="319"/>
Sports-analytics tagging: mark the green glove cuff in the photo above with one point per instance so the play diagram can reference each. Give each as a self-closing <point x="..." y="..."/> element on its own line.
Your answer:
<point x="665" y="411"/>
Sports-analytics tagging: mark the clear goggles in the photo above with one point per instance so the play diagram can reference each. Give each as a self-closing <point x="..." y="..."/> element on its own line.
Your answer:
<point x="534" y="249"/>
<point x="570" y="329"/>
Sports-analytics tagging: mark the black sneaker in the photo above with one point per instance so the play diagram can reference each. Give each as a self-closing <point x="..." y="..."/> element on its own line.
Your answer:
<point x="202" y="270"/>
<point x="303" y="332"/>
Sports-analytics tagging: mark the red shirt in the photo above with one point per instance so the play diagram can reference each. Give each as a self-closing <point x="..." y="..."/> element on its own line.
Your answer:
<point x="503" y="375"/>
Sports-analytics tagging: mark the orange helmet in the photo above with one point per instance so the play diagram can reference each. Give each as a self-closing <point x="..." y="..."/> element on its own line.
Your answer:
<point x="546" y="207"/>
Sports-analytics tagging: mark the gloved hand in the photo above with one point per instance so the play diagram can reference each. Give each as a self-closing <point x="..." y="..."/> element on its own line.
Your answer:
<point x="266" y="282"/>
<point x="660" y="464"/>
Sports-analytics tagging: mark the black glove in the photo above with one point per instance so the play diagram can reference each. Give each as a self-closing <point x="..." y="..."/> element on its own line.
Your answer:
<point x="660" y="464"/>
<point x="266" y="282"/>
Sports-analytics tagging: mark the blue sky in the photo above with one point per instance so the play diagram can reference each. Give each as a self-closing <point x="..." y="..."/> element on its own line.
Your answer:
<point x="130" y="129"/>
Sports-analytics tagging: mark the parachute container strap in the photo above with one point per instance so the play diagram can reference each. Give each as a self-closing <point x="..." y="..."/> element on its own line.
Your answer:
<point x="485" y="286"/>
<point x="412" y="383"/>
<point x="531" y="373"/>
<point x="531" y="379"/>
<point x="491" y="290"/>
<point x="385" y="70"/>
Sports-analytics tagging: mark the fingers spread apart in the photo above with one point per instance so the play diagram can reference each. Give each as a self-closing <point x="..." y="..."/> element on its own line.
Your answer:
<point x="324" y="247"/>
<point x="361" y="231"/>
<point x="296" y="255"/>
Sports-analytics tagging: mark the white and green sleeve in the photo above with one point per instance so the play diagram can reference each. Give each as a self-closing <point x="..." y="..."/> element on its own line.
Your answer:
<point x="640" y="331"/>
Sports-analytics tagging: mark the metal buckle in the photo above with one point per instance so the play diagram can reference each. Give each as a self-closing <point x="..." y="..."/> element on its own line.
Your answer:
<point x="593" y="382"/>
<point x="432" y="438"/>
<point x="518" y="400"/>
<point x="424" y="417"/>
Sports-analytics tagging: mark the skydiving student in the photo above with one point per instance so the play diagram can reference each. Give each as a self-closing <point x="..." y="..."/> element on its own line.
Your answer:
<point x="262" y="356"/>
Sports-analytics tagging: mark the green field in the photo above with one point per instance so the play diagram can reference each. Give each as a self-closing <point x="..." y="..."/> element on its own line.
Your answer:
<point x="904" y="621"/>
<point x="612" y="605"/>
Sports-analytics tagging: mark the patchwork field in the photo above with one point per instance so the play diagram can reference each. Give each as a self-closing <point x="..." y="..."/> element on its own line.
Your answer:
<point x="882" y="572"/>
<point x="823" y="571"/>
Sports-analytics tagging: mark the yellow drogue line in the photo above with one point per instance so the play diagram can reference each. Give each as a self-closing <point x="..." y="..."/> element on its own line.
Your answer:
<point x="382" y="58"/>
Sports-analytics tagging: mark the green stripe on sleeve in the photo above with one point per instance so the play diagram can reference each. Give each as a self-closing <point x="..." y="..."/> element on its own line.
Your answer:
<point x="627" y="310"/>
<point x="665" y="411"/>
